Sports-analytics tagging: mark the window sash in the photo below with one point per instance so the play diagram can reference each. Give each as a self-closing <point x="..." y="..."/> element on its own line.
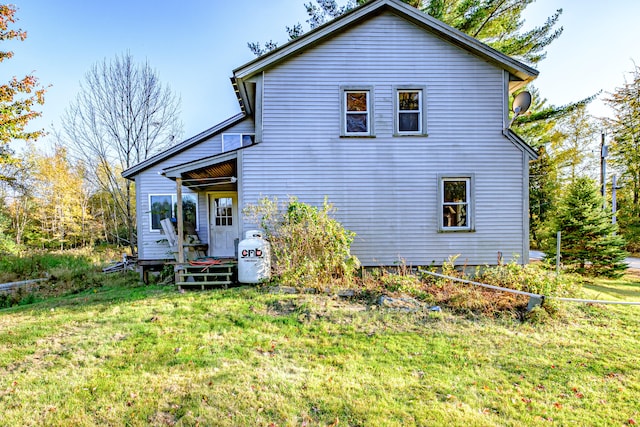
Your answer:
<point x="357" y="112"/>
<point x="455" y="203"/>
<point x="409" y="111"/>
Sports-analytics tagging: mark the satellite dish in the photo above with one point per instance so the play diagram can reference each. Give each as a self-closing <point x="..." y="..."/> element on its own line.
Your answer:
<point x="521" y="104"/>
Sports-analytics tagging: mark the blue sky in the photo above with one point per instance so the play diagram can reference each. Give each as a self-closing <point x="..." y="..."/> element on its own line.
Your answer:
<point x="195" y="44"/>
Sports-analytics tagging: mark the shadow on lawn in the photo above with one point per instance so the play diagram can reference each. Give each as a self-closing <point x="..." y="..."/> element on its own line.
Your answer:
<point x="627" y="288"/>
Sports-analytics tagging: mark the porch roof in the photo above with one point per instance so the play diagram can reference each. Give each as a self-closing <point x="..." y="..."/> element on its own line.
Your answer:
<point x="208" y="173"/>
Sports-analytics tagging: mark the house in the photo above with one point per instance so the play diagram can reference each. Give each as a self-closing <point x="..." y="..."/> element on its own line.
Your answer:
<point x="400" y="120"/>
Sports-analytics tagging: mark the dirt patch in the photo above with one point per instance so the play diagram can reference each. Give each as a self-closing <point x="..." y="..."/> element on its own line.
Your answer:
<point x="313" y="306"/>
<point x="283" y="308"/>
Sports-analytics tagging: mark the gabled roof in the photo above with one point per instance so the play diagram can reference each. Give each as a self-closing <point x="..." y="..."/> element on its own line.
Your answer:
<point x="186" y="144"/>
<point x="519" y="71"/>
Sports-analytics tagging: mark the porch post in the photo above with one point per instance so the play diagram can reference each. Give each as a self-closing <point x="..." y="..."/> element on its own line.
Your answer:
<point x="179" y="219"/>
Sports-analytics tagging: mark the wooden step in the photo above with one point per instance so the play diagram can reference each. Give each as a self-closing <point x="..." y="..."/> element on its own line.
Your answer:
<point x="223" y="273"/>
<point x="208" y="267"/>
<point x="202" y="284"/>
<point x="202" y="276"/>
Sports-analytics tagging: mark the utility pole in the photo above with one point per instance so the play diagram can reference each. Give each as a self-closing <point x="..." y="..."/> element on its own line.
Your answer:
<point x="613" y="199"/>
<point x="604" y="151"/>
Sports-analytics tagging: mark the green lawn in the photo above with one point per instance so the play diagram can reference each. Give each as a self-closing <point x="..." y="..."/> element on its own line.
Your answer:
<point x="151" y="356"/>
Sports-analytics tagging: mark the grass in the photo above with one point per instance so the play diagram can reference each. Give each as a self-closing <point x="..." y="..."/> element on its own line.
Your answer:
<point x="126" y="354"/>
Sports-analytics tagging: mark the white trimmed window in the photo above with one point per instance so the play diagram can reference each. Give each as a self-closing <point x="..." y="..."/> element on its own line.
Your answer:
<point x="456" y="203"/>
<point x="357" y="111"/>
<point x="409" y="111"/>
<point x="165" y="206"/>
<point x="233" y="141"/>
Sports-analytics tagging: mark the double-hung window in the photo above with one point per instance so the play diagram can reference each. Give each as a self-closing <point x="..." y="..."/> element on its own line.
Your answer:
<point x="357" y="111"/>
<point x="409" y="111"/>
<point x="456" y="203"/>
<point x="165" y="206"/>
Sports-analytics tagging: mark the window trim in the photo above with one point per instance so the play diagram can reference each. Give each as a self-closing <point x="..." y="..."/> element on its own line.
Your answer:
<point x="172" y="196"/>
<point x="173" y="203"/>
<point x="344" y="90"/>
<point x="470" y="180"/>
<point x="396" y="110"/>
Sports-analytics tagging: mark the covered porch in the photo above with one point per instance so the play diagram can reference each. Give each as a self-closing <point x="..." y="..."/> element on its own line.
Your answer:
<point x="207" y="256"/>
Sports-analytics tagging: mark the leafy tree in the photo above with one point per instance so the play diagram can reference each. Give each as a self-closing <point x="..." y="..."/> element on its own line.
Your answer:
<point x="497" y="23"/>
<point x="543" y="189"/>
<point x="542" y="127"/>
<point x="48" y="204"/>
<point x="17" y="97"/>
<point x="7" y="243"/>
<point x="625" y="152"/>
<point x="122" y="115"/>
<point x="588" y="234"/>
<point x="62" y="200"/>
<point x="20" y="204"/>
<point x="574" y="151"/>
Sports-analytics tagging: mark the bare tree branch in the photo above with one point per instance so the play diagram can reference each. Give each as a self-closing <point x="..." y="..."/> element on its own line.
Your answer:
<point x="121" y="116"/>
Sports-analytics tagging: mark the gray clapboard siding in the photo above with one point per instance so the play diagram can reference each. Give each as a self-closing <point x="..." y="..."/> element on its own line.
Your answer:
<point x="385" y="188"/>
<point x="150" y="181"/>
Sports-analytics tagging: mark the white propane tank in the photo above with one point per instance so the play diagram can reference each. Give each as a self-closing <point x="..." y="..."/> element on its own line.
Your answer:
<point x="254" y="258"/>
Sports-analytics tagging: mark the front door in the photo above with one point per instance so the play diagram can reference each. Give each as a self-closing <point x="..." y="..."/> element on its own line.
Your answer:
<point x="223" y="224"/>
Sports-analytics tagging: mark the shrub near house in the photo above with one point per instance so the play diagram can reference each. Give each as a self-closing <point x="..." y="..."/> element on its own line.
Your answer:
<point x="310" y="249"/>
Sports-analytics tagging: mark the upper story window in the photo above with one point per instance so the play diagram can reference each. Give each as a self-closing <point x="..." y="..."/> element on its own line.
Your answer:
<point x="409" y="111"/>
<point x="357" y="109"/>
<point x="232" y="141"/>
<point x="456" y="203"/>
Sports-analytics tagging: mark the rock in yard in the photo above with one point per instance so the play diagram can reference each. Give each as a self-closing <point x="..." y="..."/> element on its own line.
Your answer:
<point x="283" y="290"/>
<point x="346" y="293"/>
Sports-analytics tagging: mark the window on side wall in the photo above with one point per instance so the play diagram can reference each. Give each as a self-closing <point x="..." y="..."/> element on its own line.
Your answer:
<point x="455" y="194"/>
<point x="357" y="111"/>
<point x="409" y="111"/>
<point x="233" y="141"/>
<point x="165" y="206"/>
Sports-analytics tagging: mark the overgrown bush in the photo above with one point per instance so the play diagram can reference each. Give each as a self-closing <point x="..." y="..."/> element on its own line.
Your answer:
<point x="69" y="272"/>
<point x="532" y="278"/>
<point x="309" y="248"/>
<point x="474" y="300"/>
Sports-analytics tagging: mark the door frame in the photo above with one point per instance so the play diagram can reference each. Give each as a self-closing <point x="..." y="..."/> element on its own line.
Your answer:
<point x="236" y="217"/>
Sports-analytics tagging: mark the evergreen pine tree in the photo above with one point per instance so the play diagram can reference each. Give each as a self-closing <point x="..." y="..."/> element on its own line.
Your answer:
<point x="589" y="243"/>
